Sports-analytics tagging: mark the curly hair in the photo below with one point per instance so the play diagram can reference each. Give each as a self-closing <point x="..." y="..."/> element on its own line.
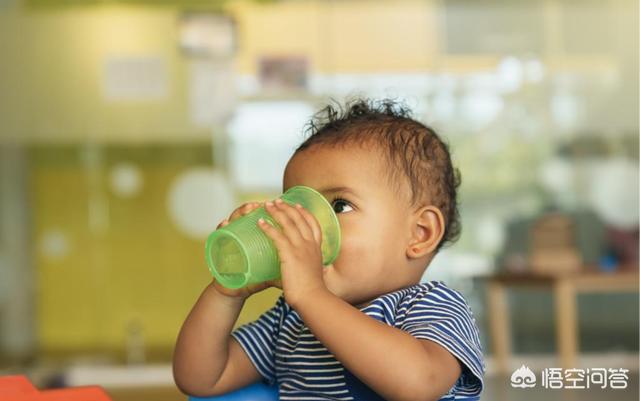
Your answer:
<point x="412" y="149"/>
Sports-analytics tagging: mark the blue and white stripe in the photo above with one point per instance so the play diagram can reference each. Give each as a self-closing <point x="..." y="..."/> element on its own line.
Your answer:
<point x="285" y="352"/>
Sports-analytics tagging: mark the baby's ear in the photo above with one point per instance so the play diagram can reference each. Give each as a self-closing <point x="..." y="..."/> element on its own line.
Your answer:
<point x="427" y="229"/>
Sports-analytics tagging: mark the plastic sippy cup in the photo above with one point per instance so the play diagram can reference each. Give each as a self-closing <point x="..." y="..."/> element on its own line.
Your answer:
<point x="240" y="253"/>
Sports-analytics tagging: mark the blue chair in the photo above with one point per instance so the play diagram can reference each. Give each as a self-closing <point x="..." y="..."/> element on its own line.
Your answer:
<point x="254" y="392"/>
<point x="258" y="392"/>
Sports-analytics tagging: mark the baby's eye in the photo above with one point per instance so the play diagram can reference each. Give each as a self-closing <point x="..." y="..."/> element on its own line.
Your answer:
<point x="339" y="205"/>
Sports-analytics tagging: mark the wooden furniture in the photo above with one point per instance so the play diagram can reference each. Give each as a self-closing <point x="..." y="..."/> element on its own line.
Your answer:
<point x="565" y="288"/>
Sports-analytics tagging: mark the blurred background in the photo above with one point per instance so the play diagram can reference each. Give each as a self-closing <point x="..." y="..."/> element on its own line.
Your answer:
<point x="129" y="129"/>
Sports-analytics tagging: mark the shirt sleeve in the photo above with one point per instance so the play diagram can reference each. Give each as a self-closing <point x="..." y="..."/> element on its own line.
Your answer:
<point x="258" y="340"/>
<point x="443" y="316"/>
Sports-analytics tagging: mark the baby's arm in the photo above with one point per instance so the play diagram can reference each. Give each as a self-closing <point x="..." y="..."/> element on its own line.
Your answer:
<point x="390" y="361"/>
<point x="207" y="360"/>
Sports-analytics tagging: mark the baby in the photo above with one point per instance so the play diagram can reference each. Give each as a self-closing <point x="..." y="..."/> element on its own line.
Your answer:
<point x="363" y="328"/>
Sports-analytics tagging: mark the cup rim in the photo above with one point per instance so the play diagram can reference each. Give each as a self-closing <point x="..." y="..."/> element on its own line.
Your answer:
<point x="211" y="266"/>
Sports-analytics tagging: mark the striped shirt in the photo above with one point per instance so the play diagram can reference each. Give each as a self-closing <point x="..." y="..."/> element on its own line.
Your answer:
<point x="284" y="351"/>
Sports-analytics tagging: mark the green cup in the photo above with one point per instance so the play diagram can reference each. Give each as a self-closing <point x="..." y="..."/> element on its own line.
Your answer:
<point x="240" y="253"/>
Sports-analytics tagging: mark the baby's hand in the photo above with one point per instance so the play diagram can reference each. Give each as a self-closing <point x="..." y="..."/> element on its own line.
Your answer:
<point x="298" y="245"/>
<point x="243" y="210"/>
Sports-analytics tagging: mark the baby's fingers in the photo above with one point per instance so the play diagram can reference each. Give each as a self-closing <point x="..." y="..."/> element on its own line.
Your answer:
<point x="223" y="223"/>
<point x="277" y="236"/>
<point x="313" y="223"/>
<point x="244" y="210"/>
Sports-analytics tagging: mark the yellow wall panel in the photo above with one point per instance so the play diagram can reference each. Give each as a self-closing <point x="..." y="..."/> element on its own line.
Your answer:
<point x="132" y="267"/>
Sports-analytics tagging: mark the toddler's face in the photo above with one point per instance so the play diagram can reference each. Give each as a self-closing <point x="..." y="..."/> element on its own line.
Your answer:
<point x="375" y="220"/>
